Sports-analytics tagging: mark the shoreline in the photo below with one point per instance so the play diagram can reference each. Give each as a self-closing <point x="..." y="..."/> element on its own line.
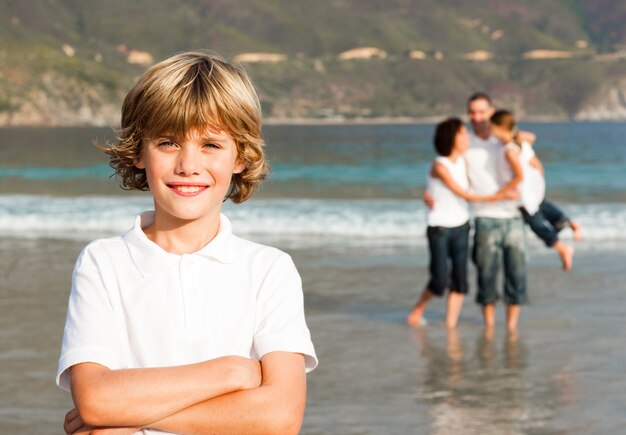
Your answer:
<point x="339" y="121"/>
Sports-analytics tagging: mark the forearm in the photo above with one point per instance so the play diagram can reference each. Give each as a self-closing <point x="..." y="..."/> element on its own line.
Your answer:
<point x="261" y="410"/>
<point x="277" y="406"/>
<point x="484" y="198"/>
<point x="511" y="185"/>
<point x="136" y="397"/>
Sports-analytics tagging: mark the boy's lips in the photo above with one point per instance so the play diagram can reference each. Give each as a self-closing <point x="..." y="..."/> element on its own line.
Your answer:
<point x="187" y="189"/>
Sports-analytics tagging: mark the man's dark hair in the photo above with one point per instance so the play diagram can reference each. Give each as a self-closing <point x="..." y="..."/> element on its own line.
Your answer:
<point x="479" y="96"/>
<point x="445" y="133"/>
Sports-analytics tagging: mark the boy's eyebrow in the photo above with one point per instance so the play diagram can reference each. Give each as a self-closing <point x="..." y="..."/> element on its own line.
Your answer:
<point x="208" y="135"/>
<point x="167" y="136"/>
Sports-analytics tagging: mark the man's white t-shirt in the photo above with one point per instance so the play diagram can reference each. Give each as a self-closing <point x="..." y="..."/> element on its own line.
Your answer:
<point x="483" y="159"/>
<point x="134" y="305"/>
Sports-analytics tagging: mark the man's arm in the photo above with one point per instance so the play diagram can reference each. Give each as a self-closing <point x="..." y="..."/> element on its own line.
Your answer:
<point x="428" y="199"/>
<point x="137" y="397"/>
<point x="277" y="406"/>
<point x="527" y="136"/>
<point x="441" y="172"/>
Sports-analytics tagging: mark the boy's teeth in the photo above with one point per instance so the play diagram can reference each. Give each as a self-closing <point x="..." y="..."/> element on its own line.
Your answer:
<point x="188" y="189"/>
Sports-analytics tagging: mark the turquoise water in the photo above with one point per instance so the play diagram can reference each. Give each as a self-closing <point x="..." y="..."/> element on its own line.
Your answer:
<point x="584" y="162"/>
<point x="360" y="182"/>
<point x="51" y="174"/>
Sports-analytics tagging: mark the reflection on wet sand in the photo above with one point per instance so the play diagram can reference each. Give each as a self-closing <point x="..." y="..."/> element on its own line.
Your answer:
<point x="484" y="388"/>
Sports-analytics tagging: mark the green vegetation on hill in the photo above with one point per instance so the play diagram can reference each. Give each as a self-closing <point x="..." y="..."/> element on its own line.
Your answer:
<point x="67" y="61"/>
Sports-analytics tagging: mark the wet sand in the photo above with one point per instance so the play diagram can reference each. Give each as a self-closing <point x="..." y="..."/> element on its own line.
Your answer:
<point x="561" y="374"/>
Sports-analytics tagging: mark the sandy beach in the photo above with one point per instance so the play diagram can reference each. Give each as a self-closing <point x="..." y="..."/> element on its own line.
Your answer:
<point x="562" y="374"/>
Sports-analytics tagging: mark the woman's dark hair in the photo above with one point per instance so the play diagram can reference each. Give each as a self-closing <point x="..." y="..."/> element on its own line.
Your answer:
<point x="445" y="133"/>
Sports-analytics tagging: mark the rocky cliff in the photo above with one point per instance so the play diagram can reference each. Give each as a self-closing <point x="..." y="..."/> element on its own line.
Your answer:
<point x="70" y="63"/>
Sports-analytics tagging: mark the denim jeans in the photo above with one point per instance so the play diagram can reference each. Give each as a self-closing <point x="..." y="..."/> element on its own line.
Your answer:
<point x="547" y="222"/>
<point x="496" y="239"/>
<point x="445" y="243"/>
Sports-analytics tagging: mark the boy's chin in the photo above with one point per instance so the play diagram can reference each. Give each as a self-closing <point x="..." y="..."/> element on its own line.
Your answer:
<point x="186" y="216"/>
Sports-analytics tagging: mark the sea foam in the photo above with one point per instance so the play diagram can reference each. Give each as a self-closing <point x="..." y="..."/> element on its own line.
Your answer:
<point x="307" y="220"/>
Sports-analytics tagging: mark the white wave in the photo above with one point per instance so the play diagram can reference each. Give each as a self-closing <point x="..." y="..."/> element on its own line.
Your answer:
<point x="308" y="220"/>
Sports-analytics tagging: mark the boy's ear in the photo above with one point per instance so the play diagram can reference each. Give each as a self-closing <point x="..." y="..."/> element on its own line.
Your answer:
<point x="239" y="166"/>
<point x="139" y="164"/>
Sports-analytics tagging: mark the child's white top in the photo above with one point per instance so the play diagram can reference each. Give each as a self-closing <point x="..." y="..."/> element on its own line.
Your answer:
<point x="135" y="305"/>
<point x="533" y="188"/>
<point x="450" y="210"/>
<point x="483" y="158"/>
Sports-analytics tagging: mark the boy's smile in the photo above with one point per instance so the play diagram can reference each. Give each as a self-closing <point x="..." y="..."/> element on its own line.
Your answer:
<point x="185" y="189"/>
<point x="189" y="177"/>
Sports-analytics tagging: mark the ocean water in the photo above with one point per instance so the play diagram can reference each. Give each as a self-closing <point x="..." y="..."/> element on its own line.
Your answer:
<point x="359" y="183"/>
<point x="344" y="201"/>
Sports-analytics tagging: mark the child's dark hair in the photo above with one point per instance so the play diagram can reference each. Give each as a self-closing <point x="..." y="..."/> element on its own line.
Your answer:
<point x="506" y="120"/>
<point x="445" y="134"/>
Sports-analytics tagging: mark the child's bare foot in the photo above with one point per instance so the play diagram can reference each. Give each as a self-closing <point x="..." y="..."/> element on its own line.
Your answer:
<point x="567" y="257"/>
<point x="415" y="318"/>
<point x="577" y="230"/>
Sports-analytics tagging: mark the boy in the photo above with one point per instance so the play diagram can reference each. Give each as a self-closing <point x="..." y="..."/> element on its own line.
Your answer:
<point x="178" y="325"/>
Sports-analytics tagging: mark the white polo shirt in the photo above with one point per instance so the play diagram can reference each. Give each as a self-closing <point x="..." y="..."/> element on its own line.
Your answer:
<point x="483" y="159"/>
<point x="135" y="305"/>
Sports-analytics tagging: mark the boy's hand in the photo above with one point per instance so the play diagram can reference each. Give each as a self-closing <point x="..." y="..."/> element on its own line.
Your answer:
<point x="88" y="430"/>
<point x="73" y="424"/>
<point x="246" y="372"/>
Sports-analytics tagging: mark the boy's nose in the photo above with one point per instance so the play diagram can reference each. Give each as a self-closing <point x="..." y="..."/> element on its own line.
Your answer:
<point x="188" y="162"/>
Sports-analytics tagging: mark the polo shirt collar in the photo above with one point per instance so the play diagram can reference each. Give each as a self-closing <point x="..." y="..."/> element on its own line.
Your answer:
<point x="151" y="258"/>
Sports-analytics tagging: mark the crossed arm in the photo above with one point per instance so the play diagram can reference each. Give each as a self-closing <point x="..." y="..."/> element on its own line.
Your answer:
<point x="225" y="395"/>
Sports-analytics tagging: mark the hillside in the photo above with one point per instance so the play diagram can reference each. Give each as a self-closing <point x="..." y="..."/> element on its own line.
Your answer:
<point x="69" y="62"/>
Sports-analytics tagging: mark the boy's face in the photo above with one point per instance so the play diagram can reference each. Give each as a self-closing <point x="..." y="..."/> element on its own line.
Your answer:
<point x="189" y="176"/>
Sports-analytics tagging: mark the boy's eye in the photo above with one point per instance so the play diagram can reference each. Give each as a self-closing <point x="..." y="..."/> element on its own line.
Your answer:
<point x="211" y="145"/>
<point x="166" y="143"/>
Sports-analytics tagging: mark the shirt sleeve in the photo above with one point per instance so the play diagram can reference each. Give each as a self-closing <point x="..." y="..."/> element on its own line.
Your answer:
<point x="280" y="323"/>
<point x="90" y="332"/>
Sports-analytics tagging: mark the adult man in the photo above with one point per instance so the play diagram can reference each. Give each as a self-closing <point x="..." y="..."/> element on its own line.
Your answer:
<point x="499" y="228"/>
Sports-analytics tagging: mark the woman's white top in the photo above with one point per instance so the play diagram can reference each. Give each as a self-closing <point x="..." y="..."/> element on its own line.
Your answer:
<point x="532" y="189"/>
<point x="450" y="210"/>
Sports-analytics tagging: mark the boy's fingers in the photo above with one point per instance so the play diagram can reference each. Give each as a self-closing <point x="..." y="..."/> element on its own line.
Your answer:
<point x="71" y="415"/>
<point x="84" y="430"/>
<point x="72" y="425"/>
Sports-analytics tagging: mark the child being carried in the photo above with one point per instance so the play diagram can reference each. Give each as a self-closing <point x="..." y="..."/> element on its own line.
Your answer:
<point x="522" y="168"/>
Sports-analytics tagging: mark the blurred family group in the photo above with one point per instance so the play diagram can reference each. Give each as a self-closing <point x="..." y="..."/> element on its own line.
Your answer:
<point x="495" y="168"/>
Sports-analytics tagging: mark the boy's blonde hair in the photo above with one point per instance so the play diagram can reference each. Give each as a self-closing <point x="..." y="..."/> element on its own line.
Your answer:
<point x="190" y="91"/>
